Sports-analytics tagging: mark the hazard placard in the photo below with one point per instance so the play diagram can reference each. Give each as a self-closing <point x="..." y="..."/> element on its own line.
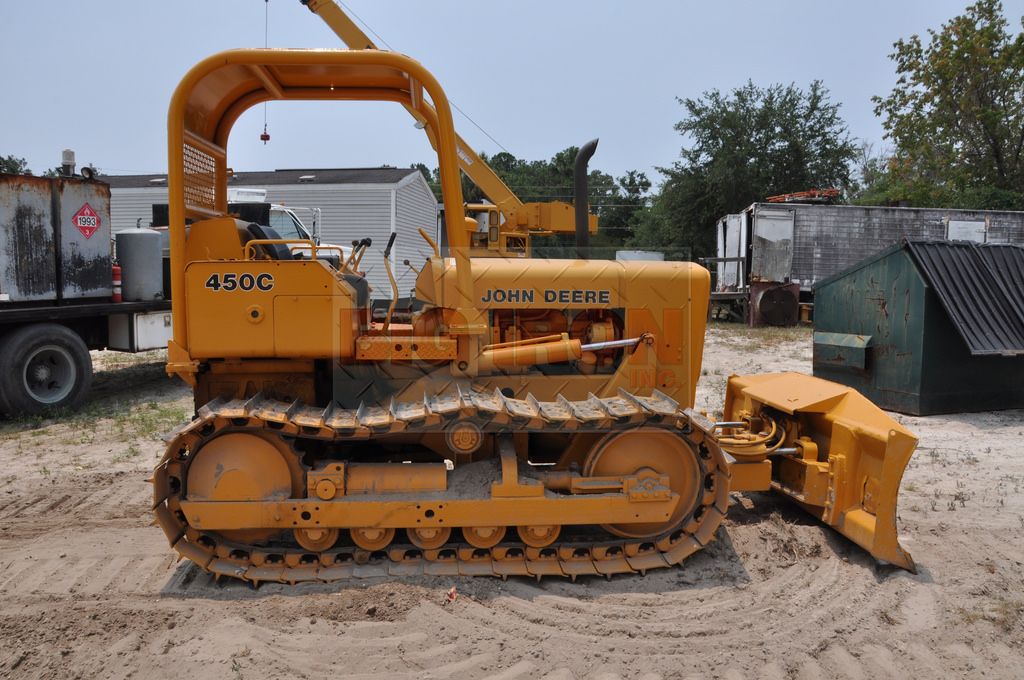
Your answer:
<point x="86" y="220"/>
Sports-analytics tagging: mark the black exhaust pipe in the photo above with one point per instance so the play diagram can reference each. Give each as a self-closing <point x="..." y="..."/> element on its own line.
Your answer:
<point x="580" y="195"/>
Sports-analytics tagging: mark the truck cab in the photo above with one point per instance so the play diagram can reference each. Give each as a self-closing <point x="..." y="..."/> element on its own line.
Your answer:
<point x="281" y="218"/>
<point x="251" y="205"/>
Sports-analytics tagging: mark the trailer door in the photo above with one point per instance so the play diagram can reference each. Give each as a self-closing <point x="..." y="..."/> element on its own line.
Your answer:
<point x="730" y="245"/>
<point x="771" y="257"/>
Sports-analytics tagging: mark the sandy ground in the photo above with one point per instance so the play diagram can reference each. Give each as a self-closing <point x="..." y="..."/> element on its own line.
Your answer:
<point x="88" y="589"/>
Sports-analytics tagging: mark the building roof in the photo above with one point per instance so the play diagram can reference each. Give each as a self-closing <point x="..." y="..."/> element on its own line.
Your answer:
<point x="979" y="287"/>
<point x="382" y="175"/>
<point x="1007" y="263"/>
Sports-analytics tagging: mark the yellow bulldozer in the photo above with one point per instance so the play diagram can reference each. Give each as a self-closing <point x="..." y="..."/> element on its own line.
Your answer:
<point x="533" y="417"/>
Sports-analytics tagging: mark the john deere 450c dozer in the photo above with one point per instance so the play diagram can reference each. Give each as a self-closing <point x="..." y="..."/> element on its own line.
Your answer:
<point x="534" y="418"/>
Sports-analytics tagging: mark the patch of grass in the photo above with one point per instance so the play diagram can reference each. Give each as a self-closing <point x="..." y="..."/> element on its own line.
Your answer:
<point x="129" y="454"/>
<point x="1007" y="615"/>
<point x="76" y="462"/>
<point x="236" y="666"/>
<point x="151" y="419"/>
<point x="39" y="425"/>
<point x="887" y="617"/>
<point x="750" y="339"/>
<point x="76" y="437"/>
<point x="969" y="615"/>
<point x="111" y="360"/>
<point x="12" y="427"/>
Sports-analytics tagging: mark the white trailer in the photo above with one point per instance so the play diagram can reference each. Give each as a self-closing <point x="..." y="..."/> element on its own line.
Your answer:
<point x="788" y="247"/>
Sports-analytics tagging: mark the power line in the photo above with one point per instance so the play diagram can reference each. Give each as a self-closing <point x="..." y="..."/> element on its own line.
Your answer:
<point x="453" y="104"/>
<point x="380" y="40"/>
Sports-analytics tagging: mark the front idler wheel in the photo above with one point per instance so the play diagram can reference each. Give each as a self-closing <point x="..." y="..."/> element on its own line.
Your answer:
<point x="627" y="453"/>
<point x="244" y="466"/>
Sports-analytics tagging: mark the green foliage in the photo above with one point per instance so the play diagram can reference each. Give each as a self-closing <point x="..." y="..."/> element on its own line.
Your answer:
<point x="624" y="208"/>
<point x="871" y="184"/>
<point x="956" y="115"/>
<point x="987" y="198"/>
<point x="18" y="166"/>
<point x="546" y="181"/>
<point x="13" y="166"/>
<point x="680" y="203"/>
<point x="618" y="203"/>
<point x="433" y="179"/>
<point x="754" y="143"/>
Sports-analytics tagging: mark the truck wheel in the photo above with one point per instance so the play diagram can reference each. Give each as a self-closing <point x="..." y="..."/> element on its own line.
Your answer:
<point x="43" y="368"/>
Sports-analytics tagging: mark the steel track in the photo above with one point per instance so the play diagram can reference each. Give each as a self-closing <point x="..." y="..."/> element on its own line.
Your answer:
<point x="578" y="554"/>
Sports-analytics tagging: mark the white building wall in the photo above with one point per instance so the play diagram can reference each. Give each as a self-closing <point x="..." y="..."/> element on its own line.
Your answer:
<point x="415" y="208"/>
<point x="348" y="212"/>
<point x="134" y="207"/>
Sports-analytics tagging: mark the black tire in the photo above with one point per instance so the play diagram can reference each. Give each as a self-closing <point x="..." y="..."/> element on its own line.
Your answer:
<point x="44" y="368"/>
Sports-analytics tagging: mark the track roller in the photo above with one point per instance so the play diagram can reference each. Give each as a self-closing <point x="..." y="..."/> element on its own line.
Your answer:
<point x="483" y="537"/>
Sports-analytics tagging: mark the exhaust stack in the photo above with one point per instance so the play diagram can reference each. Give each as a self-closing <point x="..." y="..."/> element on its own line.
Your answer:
<point x="580" y="197"/>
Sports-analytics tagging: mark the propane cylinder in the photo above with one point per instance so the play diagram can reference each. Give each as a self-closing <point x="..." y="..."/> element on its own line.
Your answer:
<point x="116" y="280"/>
<point x="138" y="254"/>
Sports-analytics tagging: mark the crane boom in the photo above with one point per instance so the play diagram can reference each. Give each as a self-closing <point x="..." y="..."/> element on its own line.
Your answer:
<point x="519" y="219"/>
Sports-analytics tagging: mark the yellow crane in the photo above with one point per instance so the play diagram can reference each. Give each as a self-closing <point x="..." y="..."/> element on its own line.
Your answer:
<point x="508" y="223"/>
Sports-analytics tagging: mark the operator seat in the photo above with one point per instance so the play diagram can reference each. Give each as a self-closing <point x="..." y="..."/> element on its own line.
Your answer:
<point x="362" y="288"/>
<point x="276" y="251"/>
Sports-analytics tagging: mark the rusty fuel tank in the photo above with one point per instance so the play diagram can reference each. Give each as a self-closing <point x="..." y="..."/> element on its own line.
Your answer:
<point x="54" y="238"/>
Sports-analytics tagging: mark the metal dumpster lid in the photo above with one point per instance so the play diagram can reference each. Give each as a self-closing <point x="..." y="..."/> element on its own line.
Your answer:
<point x="979" y="287"/>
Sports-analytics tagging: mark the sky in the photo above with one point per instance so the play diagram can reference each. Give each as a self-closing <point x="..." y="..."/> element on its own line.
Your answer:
<point x="528" y="77"/>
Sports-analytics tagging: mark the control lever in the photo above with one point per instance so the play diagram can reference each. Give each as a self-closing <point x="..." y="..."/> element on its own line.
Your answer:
<point x="394" y="284"/>
<point x="359" y="249"/>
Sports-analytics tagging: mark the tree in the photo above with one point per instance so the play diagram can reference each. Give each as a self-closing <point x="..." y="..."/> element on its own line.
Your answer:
<point x="745" y="147"/>
<point x="956" y="115"/>
<point x="433" y="179"/>
<point x="621" y="213"/>
<point x="617" y="203"/>
<point x="13" y="166"/>
<point x="18" y="166"/>
<point x="871" y="184"/>
<point x="546" y="181"/>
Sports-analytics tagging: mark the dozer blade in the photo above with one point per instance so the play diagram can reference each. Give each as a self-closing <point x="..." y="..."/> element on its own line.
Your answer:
<point x="829" y="449"/>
